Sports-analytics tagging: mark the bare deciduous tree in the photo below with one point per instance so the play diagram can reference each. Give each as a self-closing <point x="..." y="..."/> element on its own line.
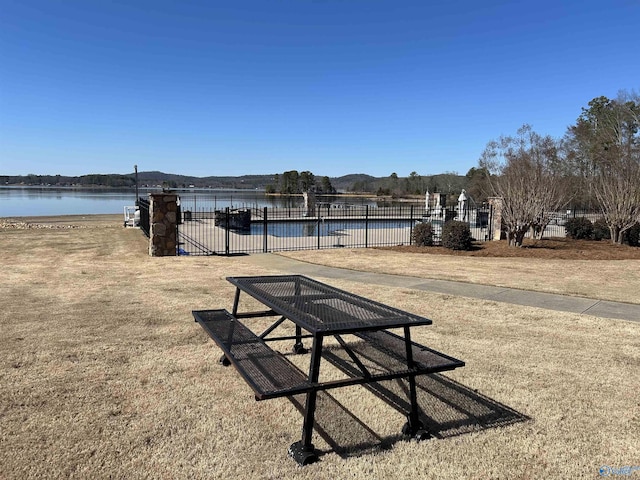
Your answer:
<point x="526" y="172"/>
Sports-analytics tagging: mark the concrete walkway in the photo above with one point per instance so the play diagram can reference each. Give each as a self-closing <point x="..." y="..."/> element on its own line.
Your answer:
<point x="563" y="303"/>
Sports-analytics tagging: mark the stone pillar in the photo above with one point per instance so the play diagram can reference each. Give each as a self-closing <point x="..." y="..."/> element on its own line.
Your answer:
<point x="496" y="218"/>
<point x="163" y="221"/>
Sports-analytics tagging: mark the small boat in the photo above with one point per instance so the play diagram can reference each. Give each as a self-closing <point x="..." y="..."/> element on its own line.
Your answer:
<point x="234" y="219"/>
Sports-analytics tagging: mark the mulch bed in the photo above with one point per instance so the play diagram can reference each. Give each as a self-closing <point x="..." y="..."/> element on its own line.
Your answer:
<point x="552" y="248"/>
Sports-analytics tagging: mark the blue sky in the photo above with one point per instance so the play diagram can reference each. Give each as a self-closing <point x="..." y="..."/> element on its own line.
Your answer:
<point x="264" y="86"/>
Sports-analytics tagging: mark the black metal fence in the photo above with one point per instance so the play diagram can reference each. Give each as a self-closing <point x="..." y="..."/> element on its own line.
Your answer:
<point x="203" y="230"/>
<point x="558" y="220"/>
<point x="143" y="206"/>
<point x="230" y="231"/>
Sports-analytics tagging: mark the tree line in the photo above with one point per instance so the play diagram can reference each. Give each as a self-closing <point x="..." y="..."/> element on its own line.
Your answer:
<point x="105" y="180"/>
<point x="415" y="184"/>
<point x="293" y="182"/>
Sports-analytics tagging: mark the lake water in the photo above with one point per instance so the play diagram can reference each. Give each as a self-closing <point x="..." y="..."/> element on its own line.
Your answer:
<point x="45" y="201"/>
<point x="327" y="227"/>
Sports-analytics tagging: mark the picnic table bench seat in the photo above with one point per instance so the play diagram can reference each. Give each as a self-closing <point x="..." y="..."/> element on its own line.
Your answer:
<point x="387" y="351"/>
<point x="381" y="355"/>
<point x="268" y="372"/>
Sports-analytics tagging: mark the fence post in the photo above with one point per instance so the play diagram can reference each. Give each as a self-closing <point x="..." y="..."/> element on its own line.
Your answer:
<point x="411" y="227"/>
<point x="366" y="226"/>
<point x="227" y="215"/>
<point x="264" y="230"/>
<point x="318" y="217"/>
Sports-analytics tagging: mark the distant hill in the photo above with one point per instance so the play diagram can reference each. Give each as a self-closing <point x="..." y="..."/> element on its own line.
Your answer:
<point x="156" y="178"/>
<point x="357" y="182"/>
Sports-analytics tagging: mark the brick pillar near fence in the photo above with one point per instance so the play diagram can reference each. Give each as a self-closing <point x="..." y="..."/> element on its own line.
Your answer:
<point x="163" y="219"/>
<point x="496" y="217"/>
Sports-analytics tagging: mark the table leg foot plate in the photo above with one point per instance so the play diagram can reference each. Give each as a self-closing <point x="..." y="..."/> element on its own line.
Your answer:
<point x="301" y="454"/>
<point x="417" y="431"/>
<point x="299" y="349"/>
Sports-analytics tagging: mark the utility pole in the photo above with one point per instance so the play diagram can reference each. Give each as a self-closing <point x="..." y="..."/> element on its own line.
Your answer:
<point x="135" y="168"/>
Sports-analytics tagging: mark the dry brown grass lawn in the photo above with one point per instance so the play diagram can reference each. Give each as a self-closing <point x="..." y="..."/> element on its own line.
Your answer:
<point x="105" y="374"/>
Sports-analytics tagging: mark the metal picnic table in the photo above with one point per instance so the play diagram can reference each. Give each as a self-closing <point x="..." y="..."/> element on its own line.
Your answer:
<point x="319" y="311"/>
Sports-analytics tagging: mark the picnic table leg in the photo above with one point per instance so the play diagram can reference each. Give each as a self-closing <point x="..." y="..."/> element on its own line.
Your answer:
<point x="236" y="300"/>
<point x="298" y="347"/>
<point x="413" y="427"/>
<point x="303" y="451"/>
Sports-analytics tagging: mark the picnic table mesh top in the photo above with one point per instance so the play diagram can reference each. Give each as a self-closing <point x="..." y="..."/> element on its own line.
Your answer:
<point x="318" y="307"/>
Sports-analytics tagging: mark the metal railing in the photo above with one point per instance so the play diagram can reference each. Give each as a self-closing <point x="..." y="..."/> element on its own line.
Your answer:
<point x="206" y="232"/>
<point x="143" y="205"/>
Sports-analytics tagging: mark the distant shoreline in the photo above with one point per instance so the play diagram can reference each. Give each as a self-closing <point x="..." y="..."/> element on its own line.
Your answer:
<point x="366" y="195"/>
<point x="129" y="189"/>
<point x="72" y="218"/>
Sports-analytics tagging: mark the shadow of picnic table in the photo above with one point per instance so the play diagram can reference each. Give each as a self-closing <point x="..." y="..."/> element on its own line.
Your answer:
<point x="448" y="409"/>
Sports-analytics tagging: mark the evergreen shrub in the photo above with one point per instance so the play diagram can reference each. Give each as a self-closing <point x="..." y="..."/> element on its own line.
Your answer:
<point x="422" y="235"/>
<point x="632" y="235"/>
<point x="600" y="230"/>
<point x="579" y="228"/>
<point x="456" y="235"/>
